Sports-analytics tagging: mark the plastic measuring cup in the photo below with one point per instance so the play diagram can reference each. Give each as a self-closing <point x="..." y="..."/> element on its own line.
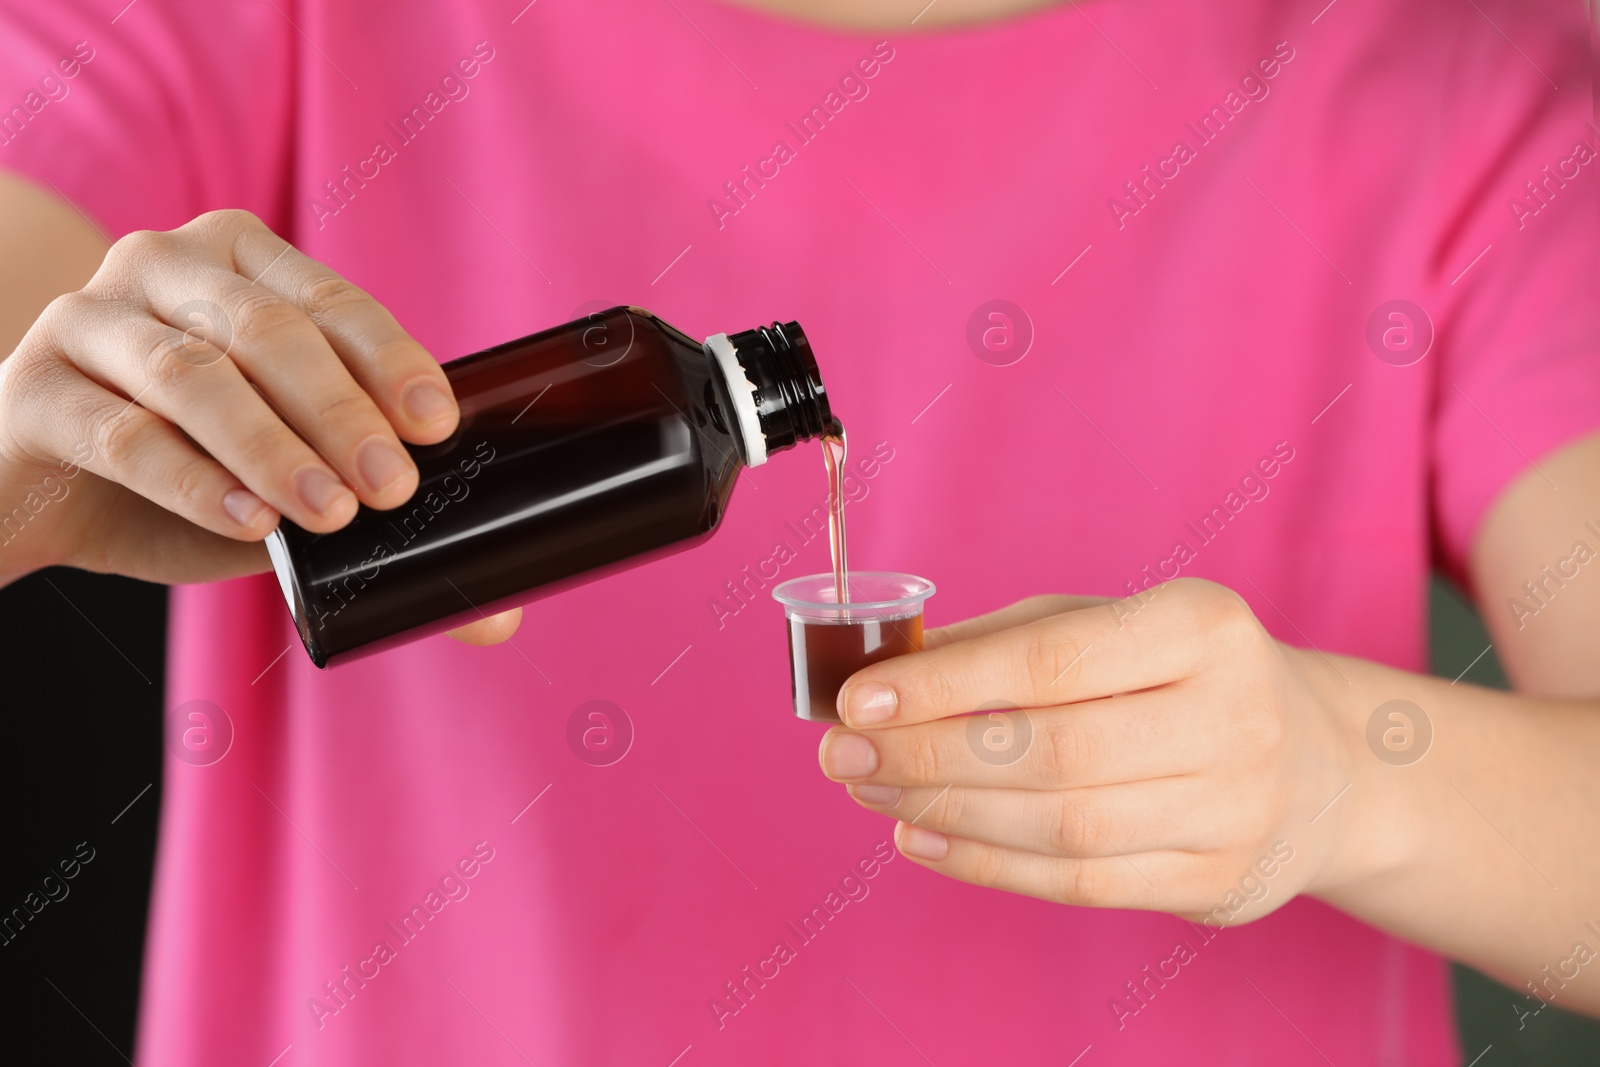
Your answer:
<point x="830" y="641"/>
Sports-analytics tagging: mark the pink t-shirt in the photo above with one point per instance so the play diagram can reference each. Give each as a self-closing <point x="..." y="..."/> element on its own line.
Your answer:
<point x="1200" y="209"/>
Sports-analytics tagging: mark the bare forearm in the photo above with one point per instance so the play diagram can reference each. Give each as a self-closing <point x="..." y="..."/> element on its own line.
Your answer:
<point x="46" y="249"/>
<point x="1482" y="848"/>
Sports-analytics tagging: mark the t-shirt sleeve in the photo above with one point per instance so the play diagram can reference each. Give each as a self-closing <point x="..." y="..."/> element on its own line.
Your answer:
<point x="1517" y="373"/>
<point x="147" y="114"/>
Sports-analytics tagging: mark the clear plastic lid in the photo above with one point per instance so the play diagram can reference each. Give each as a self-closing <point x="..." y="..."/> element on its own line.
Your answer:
<point x="873" y="595"/>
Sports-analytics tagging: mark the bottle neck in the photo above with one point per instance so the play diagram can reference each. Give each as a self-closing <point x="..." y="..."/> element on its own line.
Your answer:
<point x="774" y="389"/>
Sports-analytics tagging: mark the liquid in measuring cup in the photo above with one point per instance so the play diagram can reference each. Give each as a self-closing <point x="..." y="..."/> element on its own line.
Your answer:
<point x="830" y="640"/>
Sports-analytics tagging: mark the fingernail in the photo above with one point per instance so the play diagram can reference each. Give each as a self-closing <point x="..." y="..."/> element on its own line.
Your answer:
<point x="425" y="402"/>
<point x="380" y="464"/>
<point x="321" y="491"/>
<point x="923" y="844"/>
<point x="243" y="506"/>
<point x="868" y="703"/>
<point x="848" y="756"/>
<point x="885" y="796"/>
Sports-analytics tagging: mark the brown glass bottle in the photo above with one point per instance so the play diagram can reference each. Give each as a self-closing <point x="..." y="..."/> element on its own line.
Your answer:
<point x="582" y="450"/>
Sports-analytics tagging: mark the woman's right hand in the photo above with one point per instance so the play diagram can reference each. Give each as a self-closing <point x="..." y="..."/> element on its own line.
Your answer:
<point x="207" y="381"/>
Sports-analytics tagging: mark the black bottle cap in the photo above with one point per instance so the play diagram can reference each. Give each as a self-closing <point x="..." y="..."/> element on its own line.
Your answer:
<point x="790" y="400"/>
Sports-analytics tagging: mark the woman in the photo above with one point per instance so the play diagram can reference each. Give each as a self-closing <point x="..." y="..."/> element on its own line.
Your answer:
<point x="1200" y="223"/>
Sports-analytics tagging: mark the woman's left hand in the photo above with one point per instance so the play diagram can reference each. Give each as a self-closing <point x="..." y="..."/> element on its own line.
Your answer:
<point x="1168" y="754"/>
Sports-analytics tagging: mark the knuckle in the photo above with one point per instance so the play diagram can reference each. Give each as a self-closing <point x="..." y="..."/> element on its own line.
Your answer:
<point x="28" y="375"/>
<point x="988" y="866"/>
<point x="1069" y="830"/>
<point x="398" y="355"/>
<point x="1080" y="883"/>
<point x="1266" y="726"/>
<point x="68" y="316"/>
<point x="1213" y="603"/>
<point x="329" y="295"/>
<point x="1041" y="604"/>
<point x="118" y="439"/>
<point x="1223" y="617"/>
<point x="166" y="362"/>
<point x="920" y="758"/>
<point x="349" y="407"/>
<point x="143" y="246"/>
<point x="1063" y="753"/>
<point x="27" y="381"/>
<point x="951" y="809"/>
<point x="65" y="312"/>
<point x="262" y="316"/>
<point x="1231" y="610"/>
<point x="1237" y="632"/>
<point x="1191" y="593"/>
<point x="266" y="442"/>
<point x="189" y="485"/>
<point x="923" y="685"/>
<point x="1050" y="655"/>
<point x="229" y="220"/>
